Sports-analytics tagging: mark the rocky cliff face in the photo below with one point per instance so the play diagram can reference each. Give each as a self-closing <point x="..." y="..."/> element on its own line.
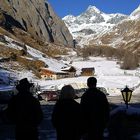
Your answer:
<point x="37" y="18"/>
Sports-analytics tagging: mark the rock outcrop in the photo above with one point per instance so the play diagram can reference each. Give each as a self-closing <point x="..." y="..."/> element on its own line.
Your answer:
<point x="37" y="18"/>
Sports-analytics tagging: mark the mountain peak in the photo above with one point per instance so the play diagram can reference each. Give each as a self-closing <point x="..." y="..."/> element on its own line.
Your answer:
<point x="93" y="9"/>
<point x="136" y="13"/>
<point x="69" y="17"/>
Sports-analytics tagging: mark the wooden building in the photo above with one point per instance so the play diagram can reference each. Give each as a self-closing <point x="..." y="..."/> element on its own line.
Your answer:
<point x="70" y="70"/>
<point x="48" y="74"/>
<point x="88" y="71"/>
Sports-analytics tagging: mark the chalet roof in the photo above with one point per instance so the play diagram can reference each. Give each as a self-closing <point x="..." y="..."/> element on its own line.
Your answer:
<point x="54" y="71"/>
<point x="68" y="68"/>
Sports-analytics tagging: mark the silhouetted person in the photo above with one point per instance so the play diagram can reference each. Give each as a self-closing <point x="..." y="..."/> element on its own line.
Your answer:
<point x="25" y="112"/>
<point x="95" y="110"/>
<point x="66" y="115"/>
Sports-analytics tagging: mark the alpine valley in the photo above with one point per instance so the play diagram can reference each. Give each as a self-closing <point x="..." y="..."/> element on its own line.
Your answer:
<point x="32" y="36"/>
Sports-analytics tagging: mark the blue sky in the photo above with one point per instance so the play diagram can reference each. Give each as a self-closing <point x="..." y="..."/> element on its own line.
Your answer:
<point x="76" y="7"/>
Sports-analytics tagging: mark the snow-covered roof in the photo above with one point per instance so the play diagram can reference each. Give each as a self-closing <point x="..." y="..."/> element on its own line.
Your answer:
<point x="53" y="70"/>
<point x="68" y="68"/>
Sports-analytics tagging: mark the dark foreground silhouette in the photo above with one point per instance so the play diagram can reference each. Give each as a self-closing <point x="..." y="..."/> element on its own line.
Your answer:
<point x="95" y="109"/>
<point x="66" y="115"/>
<point x="25" y="112"/>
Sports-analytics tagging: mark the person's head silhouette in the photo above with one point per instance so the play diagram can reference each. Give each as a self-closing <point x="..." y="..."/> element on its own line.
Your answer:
<point x="67" y="92"/>
<point x="91" y="82"/>
<point x="24" y="85"/>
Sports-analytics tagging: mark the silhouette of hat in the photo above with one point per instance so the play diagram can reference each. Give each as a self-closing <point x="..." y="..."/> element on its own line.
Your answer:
<point x="24" y="83"/>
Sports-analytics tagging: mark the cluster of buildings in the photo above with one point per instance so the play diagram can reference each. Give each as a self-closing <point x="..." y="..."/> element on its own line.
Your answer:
<point x="65" y="72"/>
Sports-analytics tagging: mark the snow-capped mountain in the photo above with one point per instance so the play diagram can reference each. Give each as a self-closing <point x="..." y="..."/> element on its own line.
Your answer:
<point x="125" y="34"/>
<point x="135" y="14"/>
<point x="91" y="23"/>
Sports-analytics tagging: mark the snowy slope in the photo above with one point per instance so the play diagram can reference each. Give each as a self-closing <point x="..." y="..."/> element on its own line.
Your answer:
<point x="36" y="54"/>
<point x="108" y="73"/>
<point x="135" y="14"/>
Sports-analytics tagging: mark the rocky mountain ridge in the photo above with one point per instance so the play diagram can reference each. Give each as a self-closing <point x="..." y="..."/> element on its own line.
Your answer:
<point x="91" y="23"/>
<point x="37" y="18"/>
<point x="125" y="34"/>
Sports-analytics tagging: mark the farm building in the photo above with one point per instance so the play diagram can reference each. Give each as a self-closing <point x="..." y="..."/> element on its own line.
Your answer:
<point x="87" y="71"/>
<point x="48" y="74"/>
<point x="70" y="70"/>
